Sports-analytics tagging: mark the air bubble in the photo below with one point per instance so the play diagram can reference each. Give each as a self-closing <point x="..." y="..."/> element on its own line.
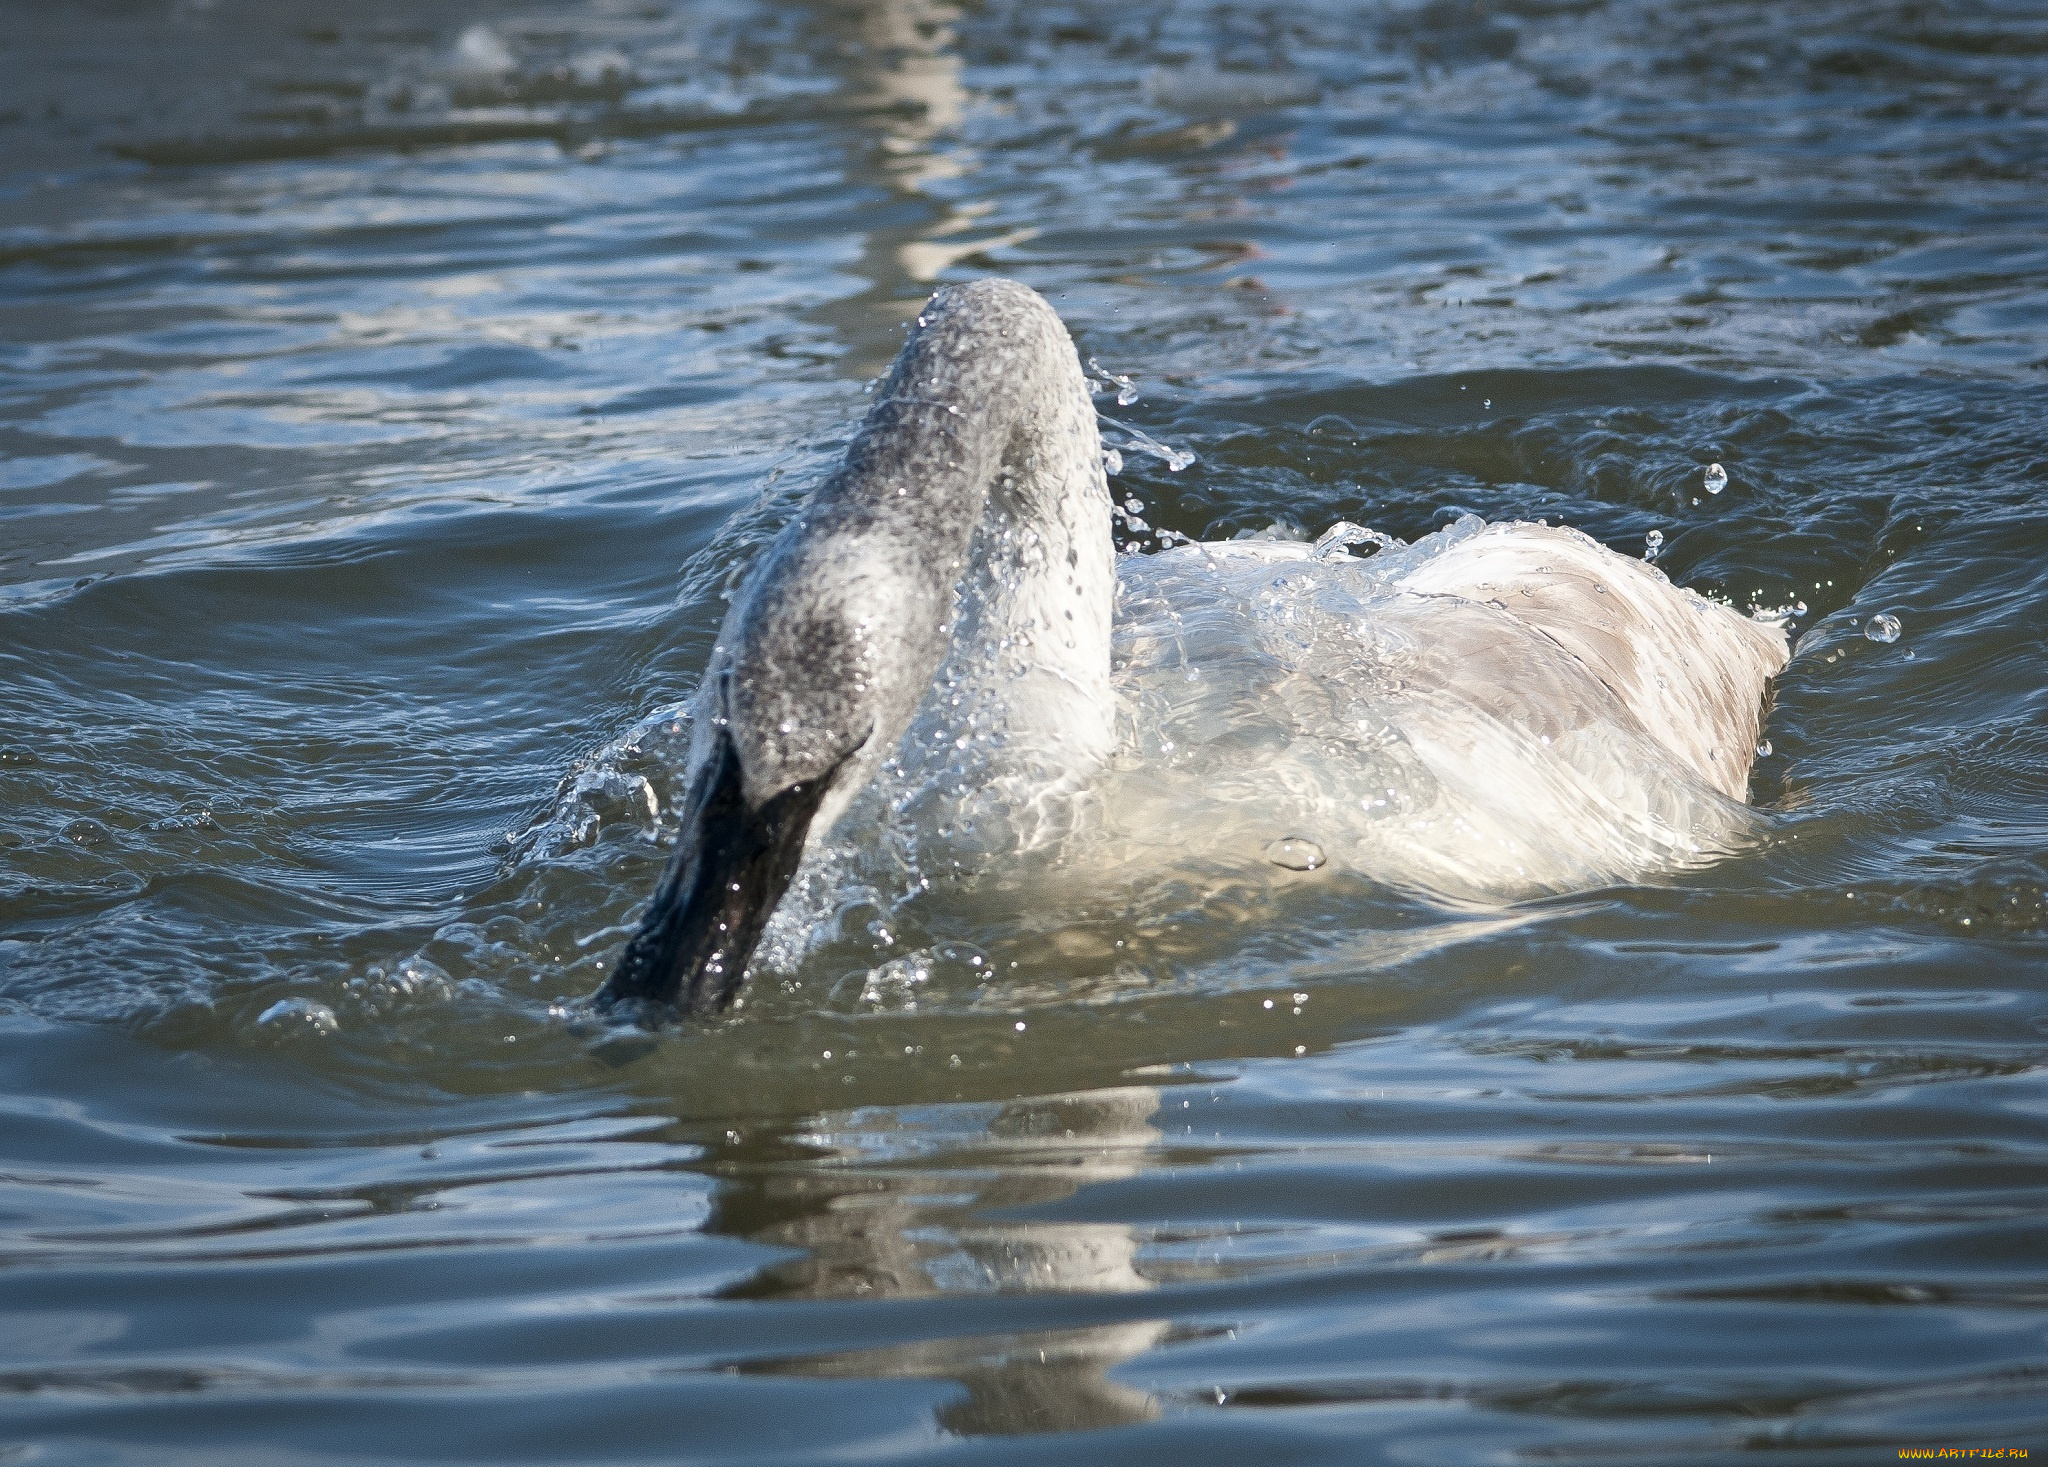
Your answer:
<point x="1717" y="479"/>
<point x="300" y="1014"/>
<point x="1884" y="627"/>
<point x="1296" y="853"/>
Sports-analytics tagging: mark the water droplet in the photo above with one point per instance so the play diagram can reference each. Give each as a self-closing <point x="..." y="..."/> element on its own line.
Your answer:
<point x="1487" y="403"/>
<point x="1126" y="389"/>
<point x="481" y="56"/>
<point x="1763" y="748"/>
<point x="1884" y="627"/>
<point x="1653" y="544"/>
<point x="1717" y="479"/>
<point x="1295" y="853"/>
<point x="1112" y="461"/>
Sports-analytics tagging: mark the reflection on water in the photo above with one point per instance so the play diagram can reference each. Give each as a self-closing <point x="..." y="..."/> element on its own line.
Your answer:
<point x="901" y="1231"/>
<point x="897" y="58"/>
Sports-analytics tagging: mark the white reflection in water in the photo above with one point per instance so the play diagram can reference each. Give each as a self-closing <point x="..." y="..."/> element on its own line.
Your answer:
<point x="900" y="1231"/>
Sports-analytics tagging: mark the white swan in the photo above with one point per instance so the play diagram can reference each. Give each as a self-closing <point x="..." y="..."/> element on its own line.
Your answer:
<point x="1496" y="710"/>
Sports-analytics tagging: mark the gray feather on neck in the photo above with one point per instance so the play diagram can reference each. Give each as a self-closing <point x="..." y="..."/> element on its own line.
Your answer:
<point x="984" y="424"/>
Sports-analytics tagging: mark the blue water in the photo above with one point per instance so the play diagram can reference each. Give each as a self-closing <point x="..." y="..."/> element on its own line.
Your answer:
<point x="384" y="407"/>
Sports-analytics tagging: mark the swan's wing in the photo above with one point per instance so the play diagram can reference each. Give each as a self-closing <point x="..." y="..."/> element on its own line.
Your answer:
<point x="1545" y="778"/>
<point x="1691" y="672"/>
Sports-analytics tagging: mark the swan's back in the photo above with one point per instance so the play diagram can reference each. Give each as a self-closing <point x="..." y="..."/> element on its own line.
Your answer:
<point x="1493" y="712"/>
<point x="1692" y="673"/>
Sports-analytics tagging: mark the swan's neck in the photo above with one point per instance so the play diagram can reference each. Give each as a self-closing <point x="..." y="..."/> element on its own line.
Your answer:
<point x="1035" y="609"/>
<point x="972" y="500"/>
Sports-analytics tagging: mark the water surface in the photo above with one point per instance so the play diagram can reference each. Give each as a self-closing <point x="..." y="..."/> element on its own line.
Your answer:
<point x="386" y="405"/>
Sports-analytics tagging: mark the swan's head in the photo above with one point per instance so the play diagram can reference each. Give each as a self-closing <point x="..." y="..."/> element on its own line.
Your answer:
<point x="818" y="671"/>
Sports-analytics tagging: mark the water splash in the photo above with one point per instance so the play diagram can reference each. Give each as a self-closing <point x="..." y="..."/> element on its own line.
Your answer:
<point x="633" y="781"/>
<point x="1175" y="459"/>
<point x="1101" y="379"/>
<point x="1336" y="542"/>
<point x="1261" y="685"/>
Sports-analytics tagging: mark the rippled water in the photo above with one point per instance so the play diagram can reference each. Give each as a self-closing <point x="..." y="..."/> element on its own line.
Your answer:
<point x="387" y="403"/>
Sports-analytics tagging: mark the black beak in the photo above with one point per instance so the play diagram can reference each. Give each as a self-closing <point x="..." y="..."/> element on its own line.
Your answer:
<point x="734" y="865"/>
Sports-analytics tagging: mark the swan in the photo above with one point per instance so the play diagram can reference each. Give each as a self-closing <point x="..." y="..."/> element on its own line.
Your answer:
<point x="1502" y="710"/>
